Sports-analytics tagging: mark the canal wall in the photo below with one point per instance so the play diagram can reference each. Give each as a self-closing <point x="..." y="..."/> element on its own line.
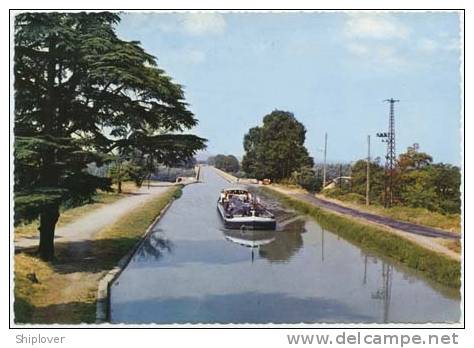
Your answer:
<point x="103" y="291"/>
<point x="233" y="179"/>
<point x="226" y="176"/>
<point x="434" y="265"/>
<point x="416" y="252"/>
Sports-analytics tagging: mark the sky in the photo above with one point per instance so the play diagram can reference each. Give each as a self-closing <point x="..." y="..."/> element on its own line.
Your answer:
<point x="333" y="70"/>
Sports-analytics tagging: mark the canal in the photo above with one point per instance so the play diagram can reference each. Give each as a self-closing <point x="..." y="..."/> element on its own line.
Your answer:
<point x="192" y="270"/>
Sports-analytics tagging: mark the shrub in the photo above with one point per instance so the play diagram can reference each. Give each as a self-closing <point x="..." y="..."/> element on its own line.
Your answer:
<point x="307" y="179"/>
<point x="335" y="192"/>
<point x="353" y="197"/>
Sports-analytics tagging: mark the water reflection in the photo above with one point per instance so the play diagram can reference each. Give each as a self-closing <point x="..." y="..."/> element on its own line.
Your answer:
<point x="287" y="243"/>
<point x="192" y="270"/>
<point x="275" y="246"/>
<point x="322" y="244"/>
<point x="153" y="247"/>
<point x="250" y="238"/>
<point x="383" y="293"/>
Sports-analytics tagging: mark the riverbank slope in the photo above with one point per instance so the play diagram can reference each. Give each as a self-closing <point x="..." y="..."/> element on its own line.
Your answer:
<point x="65" y="290"/>
<point x="419" y="252"/>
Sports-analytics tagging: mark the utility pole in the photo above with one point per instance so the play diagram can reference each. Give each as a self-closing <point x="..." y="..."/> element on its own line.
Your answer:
<point x="350" y="176"/>
<point x="390" y="158"/>
<point x="367" y="189"/>
<point x="325" y="152"/>
<point x="340" y="177"/>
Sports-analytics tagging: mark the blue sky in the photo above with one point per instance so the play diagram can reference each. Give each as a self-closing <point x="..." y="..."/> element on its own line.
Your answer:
<point x="332" y="70"/>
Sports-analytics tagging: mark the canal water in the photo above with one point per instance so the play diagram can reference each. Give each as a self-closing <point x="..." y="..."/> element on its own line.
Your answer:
<point x="192" y="270"/>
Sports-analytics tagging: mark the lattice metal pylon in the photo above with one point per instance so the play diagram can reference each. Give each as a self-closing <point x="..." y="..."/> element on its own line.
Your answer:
<point x="391" y="156"/>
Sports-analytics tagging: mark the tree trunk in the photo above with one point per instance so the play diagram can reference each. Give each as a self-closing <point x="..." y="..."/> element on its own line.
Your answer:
<point x="119" y="186"/>
<point x="48" y="172"/>
<point x="48" y="219"/>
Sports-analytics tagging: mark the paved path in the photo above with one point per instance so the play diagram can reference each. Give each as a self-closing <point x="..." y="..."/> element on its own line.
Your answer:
<point x="86" y="227"/>
<point x="399" y="225"/>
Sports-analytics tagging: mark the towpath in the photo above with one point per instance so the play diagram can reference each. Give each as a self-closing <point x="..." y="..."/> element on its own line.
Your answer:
<point x="399" y="225"/>
<point x="431" y="238"/>
<point x="85" y="227"/>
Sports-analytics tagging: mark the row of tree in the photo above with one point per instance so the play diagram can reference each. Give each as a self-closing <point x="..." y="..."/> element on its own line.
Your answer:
<point x="417" y="182"/>
<point x="82" y="96"/>
<point x="228" y="163"/>
<point x="138" y="168"/>
<point x="276" y="150"/>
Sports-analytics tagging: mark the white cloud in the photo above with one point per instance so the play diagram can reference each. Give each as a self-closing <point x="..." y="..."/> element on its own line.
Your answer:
<point x="203" y="23"/>
<point x="375" y="26"/>
<point x="387" y="54"/>
<point x="431" y="46"/>
<point x="379" y="54"/>
<point x="193" y="23"/>
<point x="376" y="38"/>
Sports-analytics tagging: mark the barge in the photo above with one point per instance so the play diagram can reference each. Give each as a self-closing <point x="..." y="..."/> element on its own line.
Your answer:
<point x="239" y="209"/>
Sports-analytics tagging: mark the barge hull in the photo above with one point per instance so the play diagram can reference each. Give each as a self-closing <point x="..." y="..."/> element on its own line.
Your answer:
<point x="251" y="225"/>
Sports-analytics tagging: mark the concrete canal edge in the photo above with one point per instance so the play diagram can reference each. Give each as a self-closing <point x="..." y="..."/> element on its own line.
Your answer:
<point x="442" y="268"/>
<point x="424" y="242"/>
<point x="103" y="291"/>
<point x="226" y="176"/>
<point x="381" y="240"/>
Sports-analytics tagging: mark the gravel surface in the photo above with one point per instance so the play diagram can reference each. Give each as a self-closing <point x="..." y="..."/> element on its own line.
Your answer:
<point x="399" y="225"/>
<point x="87" y="226"/>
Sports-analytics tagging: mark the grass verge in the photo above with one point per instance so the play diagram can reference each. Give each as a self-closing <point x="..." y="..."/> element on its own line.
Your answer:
<point x="435" y="266"/>
<point x="64" y="291"/>
<point x="129" y="229"/>
<point x="420" y="216"/>
<point x="69" y="215"/>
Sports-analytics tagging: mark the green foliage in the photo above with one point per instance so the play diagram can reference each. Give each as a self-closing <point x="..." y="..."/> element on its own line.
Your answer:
<point x="416" y="190"/>
<point x="74" y="77"/>
<point x="354" y="198"/>
<point x="28" y="205"/>
<point x="178" y="192"/>
<point x="276" y="149"/>
<point x="119" y="172"/>
<point x="339" y="194"/>
<point x="188" y="164"/>
<point x="122" y="170"/>
<point x="435" y="266"/>
<point x="228" y="163"/>
<point x="446" y="180"/>
<point x="432" y="186"/>
<point x="334" y="192"/>
<point x="307" y="179"/>
<point x="418" y="182"/>
<point x="412" y="159"/>
<point x="359" y="180"/>
<point x="48" y="302"/>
